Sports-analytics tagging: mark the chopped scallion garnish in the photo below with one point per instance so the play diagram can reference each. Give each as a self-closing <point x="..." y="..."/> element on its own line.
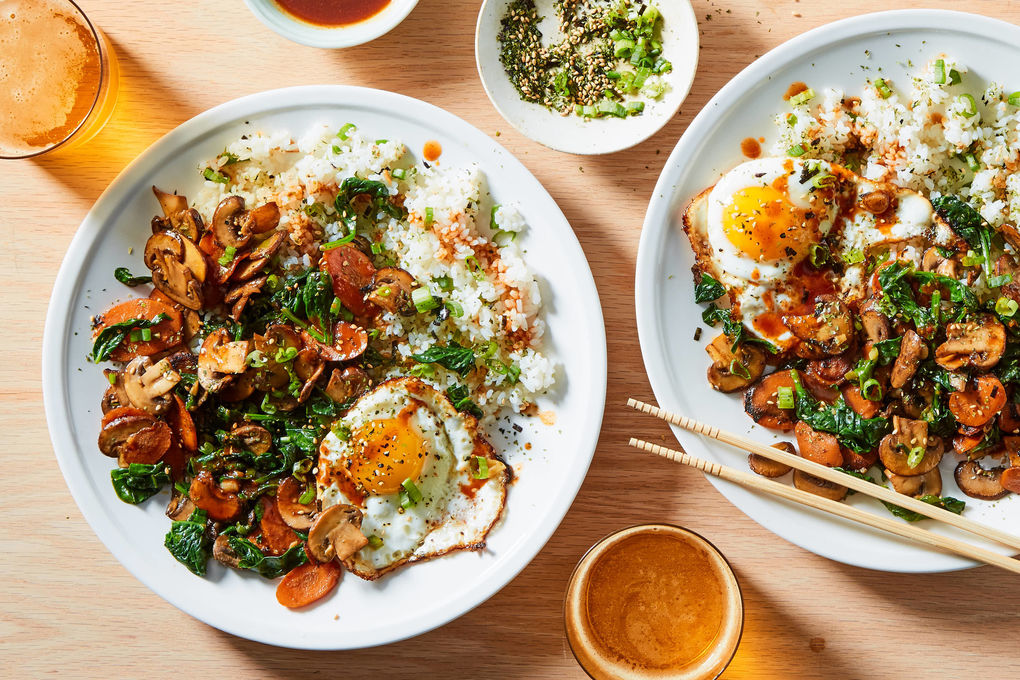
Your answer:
<point x="481" y="470"/>
<point x="883" y="88"/>
<point x="940" y="71"/>
<point x="969" y="105"/>
<point x="802" y="97"/>
<point x="112" y="377"/>
<point x="345" y="131"/>
<point x="423" y="300"/>
<point x="374" y="541"/>
<point x="429" y="216"/>
<point x="398" y="173"/>
<point x="1006" y="307"/>
<point x="454" y="308"/>
<point x="146" y="334"/>
<point x="915" y="456"/>
<point x="796" y="150"/>
<point x="1014" y="99"/>
<point x="409" y="494"/>
<point x="444" y="282"/>
<point x="819" y="254"/>
<point x="871" y="390"/>
<point x="784" y="398"/>
<point x="229" y="253"/>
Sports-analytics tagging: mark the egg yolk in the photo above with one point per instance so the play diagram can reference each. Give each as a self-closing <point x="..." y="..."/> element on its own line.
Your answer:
<point x="386" y="452"/>
<point x="766" y="226"/>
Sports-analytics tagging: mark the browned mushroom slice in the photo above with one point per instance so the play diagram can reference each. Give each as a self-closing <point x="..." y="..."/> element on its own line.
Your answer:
<point x="115" y="396"/>
<point x="761" y="402"/>
<point x="254" y="438"/>
<point x="296" y="514"/>
<point x="912" y="351"/>
<point x="766" y="467"/>
<point x="278" y="336"/>
<point x="977" y="482"/>
<point x="934" y="261"/>
<point x="238" y="296"/>
<point x="336" y="533"/>
<point x="347" y="383"/>
<point x="219" y="504"/>
<point x="308" y="365"/>
<point x="224" y="554"/>
<point x="169" y="203"/>
<point x="928" y="484"/>
<point x="241" y="387"/>
<point x="259" y="257"/>
<point x="149" y="386"/>
<point x="731" y="371"/>
<point x="178" y="268"/>
<point x="978" y="343"/>
<point x="828" y="330"/>
<point x="229" y="226"/>
<point x="818" y="486"/>
<point x="909" y="450"/>
<point x="877" y="202"/>
<point x="116" y="433"/>
<point x="220" y="359"/>
<point x="391" y="290"/>
<point x="264" y="218"/>
<point x="135" y="439"/>
<point x="876" y="325"/>
<point x="180" y="507"/>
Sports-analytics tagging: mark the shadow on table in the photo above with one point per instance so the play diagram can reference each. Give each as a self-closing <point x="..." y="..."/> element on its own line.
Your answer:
<point x="143" y="96"/>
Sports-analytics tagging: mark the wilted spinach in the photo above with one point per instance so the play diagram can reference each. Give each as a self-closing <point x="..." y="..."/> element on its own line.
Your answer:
<point x="461" y="398"/>
<point x="111" y="336"/>
<point x="453" y="357"/>
<point x="269" y="566"/>
<point x="968" y="225"/>
<point x="123" y="274"/>
<point x="354" y="186"/>
<point x="733" y="328"/>
<point x="188" y="542"/>
<point x="708" y="289"/>
<point x="953" y="505"/>
<point x="138" y="481"/>
<point x="852" y="431"/>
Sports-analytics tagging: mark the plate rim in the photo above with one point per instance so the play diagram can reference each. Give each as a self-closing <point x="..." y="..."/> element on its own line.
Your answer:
<point x="653" y="349"/>
<point x="56" y="330"/>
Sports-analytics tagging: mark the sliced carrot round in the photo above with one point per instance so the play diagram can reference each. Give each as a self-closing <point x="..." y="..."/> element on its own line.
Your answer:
<point x="1010" y="479"/>
<point x="276" y="535"/>
<point x="164" y="335"/>
<point x="980" y="402"/>
<point x="820" y="447"/>
<point x="115" y="413"/>
<point x="183" y="424"/>
<point x="351" y="272"/>
<point x="308" y="583"/>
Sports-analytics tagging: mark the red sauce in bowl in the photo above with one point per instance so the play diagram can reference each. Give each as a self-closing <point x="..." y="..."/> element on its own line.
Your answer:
<point x="332" y="12"/>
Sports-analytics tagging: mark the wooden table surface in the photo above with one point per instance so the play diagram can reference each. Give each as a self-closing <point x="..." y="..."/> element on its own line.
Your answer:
<point x="69" y="607"/>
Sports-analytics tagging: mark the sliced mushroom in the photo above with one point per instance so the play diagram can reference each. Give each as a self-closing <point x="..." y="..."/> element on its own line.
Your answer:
<point x="259" y="257"/>
<point x="876" y="325"/>
<point x="877" y="202"/>
<point x="238" y="296"/>
<point x="734" y="370"/>
<point x="180" y="507"/>
<point x="219" y="504"/>
<point x="296" y="514"/>
<point x="178" y="268"/>
<point x="928" y="484"/>
<point x="972" y="344"/>
<point x="977" y="482"/>
<point x="169" y="203"/>
<point x="347" y="383"/>
<point x="766" y="467"/>
<point x="828" y="330"/>
<point x="391" y="290"/>
<point x="761" y="402"/>
<point x="220" y="359"/>
<point x="336" y="533"/>
<point x="912" y="351"/>
<point x="910" y="435"/>
<point x="264" y="218"/>
<point x="135" y="439"/>
<point x="115" y="396"/>
<point x="818" y="486"/>
<point x="229" y="226"/>
<point x="223" y="553"/>
<point x="149" y="386"/>
<point x="308" y="365"/>
<point x="254" y="438"/>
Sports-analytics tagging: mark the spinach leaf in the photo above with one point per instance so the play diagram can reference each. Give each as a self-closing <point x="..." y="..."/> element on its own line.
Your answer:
<point x="354" y="186"/>
<point x="453" y="357"/>
<point x="138" y="481"/>
<point x="852" y="431"/>
<point x="940" y="419"/>
<point x="188" y="543"/>
<point x="895" y="283"/>
<point x="269" y="566"/>
<point x="968" y="225"/>
<point x="111" y="336"/>
<point x="1008" y="368"/>
<point x="317" y="297"/>
<point x="953" y="505"/>
<point x="888" y="350"/>
<point x="304" y="439"/>
<point x="461" y="398"/>
<point x="123" y="274"/>
<point x="708" y="289"/>
<point x="734" y="329"/>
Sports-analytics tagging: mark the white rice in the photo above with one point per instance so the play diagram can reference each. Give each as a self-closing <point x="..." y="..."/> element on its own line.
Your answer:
<point x="498" y="294"/>
<point x="919" y="136"/>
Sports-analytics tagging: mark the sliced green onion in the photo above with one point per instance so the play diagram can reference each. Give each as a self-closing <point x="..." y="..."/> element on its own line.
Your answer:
<point x="1006" y="307"/>
<point x="482" y="471"/>
<point x="954" y="77"/>
<point x="135" y="335"/>
<point x="802" y="97"/>
<point x="871" y="390"/>
<point x="429" y="216"/>
<point x="971" y="161"/>
<point x="381" y="141"/>
<point x="444" y="282"/>
<point x="409" y="494"/>
<point x="343" y="134"/>
<point x="112" y="377"/>
<point x="307" y="496"/>
<point x="854" y="257"/>
<point x="623" y="47"/>
<point x="341" y="431"/>
<point x="972" y="259"/>
<point x="738" y="369"/>
<point x="146" y="334"/>
<point x="502" y="238"/>
<point x="335" y="307"/>
<point x="398" y="173"/>
<point x="285" y="354"/>
<point x="374" y="541"/>
<point x="611" y="108"/>
<point x="613" y="75"/>
<point x="883" y="88"/>
<point x="940" y="71"/>
<point x="229" y="253"/>
<point x="634" y="108"/>
<point x="423" y="300"/>
<point x="915" y="456"/>
<point x="970" y="105"/>
<point x="784" y="398"/>
<point x="456" y="311"/>
<point x="1014" y="99"/>
<point x="999" y="281"/>
<point x="819" y="254"/>
<point x="821" y="181"/>
<point x="215" y="176"/>
<point x="791" y="120"/>
<point x="339" y="242"/>
<point x="796" y="150"/>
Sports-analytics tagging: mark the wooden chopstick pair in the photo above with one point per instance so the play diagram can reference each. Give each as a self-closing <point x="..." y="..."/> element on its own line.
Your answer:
<point x="766" y="485"/>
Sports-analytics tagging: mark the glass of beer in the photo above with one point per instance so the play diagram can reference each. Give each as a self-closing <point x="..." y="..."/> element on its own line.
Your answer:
<point x="653" y="601"/>
<point x="58" y="77"/>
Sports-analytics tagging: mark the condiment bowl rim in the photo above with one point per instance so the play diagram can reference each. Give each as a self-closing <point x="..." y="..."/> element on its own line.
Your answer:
<point x="330" y="37"/>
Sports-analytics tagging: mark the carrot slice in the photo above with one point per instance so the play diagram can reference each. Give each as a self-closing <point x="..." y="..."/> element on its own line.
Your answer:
<point x="165" y="334"/>
<point x="308" y="583"/>
<point x="183" y="425"/>
<point x="351" y="271"/>
<point x="115" y="413"/>
<point x="1010" y="479"/>
<point x="276" y="535"/>
<point x="820" y="447"/>
<point x="980" y="402"/>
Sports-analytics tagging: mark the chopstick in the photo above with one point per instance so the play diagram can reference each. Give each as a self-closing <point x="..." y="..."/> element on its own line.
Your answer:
<point x="790" y="493"/>
<point x="830" y="475"/>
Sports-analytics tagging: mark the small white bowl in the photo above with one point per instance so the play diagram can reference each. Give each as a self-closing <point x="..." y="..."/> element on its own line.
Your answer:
<point x="269" y="13"/>
<point x="574" y="134"/>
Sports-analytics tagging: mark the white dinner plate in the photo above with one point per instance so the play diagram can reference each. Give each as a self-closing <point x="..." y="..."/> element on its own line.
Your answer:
<point x="413" y="599"/>
<point x="841" y="55"/>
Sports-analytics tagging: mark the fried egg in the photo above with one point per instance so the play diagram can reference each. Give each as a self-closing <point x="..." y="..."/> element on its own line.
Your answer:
<point x="407" y="459"/>
<point x="755" y="230"/>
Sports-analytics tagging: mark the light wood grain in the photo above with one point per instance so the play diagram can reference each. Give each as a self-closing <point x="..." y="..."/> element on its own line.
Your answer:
<point x="70" y="608"/>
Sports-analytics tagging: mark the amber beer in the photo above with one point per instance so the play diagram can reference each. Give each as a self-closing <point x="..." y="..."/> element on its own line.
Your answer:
<point x="57" y="77"/>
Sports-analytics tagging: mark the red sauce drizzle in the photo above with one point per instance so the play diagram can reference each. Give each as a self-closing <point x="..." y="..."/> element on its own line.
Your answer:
<point x="750" y="148"/>
<point x="794" y="89"/>
<point x="433" y="150"/>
